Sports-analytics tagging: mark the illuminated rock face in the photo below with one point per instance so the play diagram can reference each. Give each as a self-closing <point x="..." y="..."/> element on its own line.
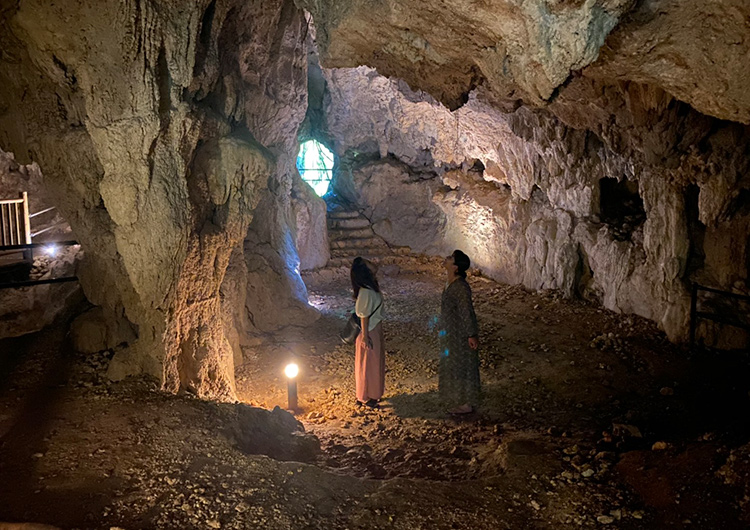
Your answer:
<point x="309" y="212"/>
<point x="616" y="191"/>
<point x="524" y="51"/>
<point x="611" y="83"/>
<point x="160" y="128"/>
<point x="516" y="49"/>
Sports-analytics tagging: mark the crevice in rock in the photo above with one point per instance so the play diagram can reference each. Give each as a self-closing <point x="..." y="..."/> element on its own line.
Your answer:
<point x="204" y="39"/>
<point x="164" y="84"/>
<point x="621" y="206"/>
<point x="696" y="232"/>
<point x="69" y="76"/>
<point x="584" y="276"/>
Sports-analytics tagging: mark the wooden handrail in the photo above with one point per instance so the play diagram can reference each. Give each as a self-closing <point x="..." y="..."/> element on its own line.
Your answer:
<point x="696" y="313"/>
<point x="15" y="227"/>
<point x="38" y="245"/>
<point x="31" y="216"/>
<point x="728" y="294"/>
<point x="31" y="283"/>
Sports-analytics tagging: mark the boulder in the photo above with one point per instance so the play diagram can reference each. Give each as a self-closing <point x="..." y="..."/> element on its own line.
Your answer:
<point x="274" y="433"/>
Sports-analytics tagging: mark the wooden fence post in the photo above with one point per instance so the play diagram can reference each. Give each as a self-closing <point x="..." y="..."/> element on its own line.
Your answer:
<point x="28" y="254"/>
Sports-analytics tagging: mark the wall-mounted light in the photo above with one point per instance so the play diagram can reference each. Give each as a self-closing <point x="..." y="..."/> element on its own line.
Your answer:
<point x="291" y="372"/>
<point x="51" y="250"/>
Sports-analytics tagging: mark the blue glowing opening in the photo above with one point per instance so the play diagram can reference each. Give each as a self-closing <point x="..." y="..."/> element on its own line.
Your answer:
<point x="315" y="166"/>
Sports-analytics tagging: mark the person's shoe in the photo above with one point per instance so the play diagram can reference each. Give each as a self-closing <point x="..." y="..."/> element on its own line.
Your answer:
<point x="372" y="403"/>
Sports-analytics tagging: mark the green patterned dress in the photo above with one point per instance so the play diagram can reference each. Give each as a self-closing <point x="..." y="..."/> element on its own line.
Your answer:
<point x="459" y="364"/>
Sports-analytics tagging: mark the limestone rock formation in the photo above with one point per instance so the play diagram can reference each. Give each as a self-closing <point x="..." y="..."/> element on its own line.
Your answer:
<point x="610" y="73"/>
<point x="539" y="197"/>
<point x="517" y="50"/>
<point x="695" y="51"/>
<point x="275" y="433"/>
<point x="558" y="142"/>
<point x="97" y="330"/>
<point x="310" y="226"/>
<point x="526" y="50"/>
<point x="398" y="203"/>
<point x="157" y="133"/>
<point x="276" y="294"/>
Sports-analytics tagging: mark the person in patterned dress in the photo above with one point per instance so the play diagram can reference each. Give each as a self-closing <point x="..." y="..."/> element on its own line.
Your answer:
<point x="458" y="376"/>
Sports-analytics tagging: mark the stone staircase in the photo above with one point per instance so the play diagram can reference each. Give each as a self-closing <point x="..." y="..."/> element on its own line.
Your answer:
<point x="351" y="235"/>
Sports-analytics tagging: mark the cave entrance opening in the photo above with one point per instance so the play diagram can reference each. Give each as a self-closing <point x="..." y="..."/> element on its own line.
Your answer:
<point x="315" y="166"/>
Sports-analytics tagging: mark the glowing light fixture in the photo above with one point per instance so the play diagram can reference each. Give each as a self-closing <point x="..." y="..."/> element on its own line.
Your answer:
<point x="291" y="371"/>
<point x="315" y="166"/>
<point x="51" y="250"/>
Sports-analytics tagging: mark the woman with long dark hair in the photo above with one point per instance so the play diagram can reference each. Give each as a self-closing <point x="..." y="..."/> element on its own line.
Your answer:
<point x="369" y="359"/>
<point x="458" y="376"/>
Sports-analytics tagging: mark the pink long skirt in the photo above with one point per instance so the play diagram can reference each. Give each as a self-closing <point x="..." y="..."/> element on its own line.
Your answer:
<point x="369" y="366"/>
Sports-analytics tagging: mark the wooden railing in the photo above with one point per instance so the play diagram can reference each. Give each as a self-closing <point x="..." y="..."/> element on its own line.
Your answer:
<point x="726" y="308"/>
<point x="15" y="228"/>
<point x="15" y="237"/>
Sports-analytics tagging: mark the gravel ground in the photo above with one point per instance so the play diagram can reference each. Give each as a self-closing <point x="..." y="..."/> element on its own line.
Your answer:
<point x="588" y="419"/>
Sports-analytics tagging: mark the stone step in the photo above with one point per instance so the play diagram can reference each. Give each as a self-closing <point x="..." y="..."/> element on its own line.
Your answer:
<point x="343" y="214"/>
<point x="348" y="222"/>
<point x="350" y="233"/>
<point x="365" y="242"/>
<point x="370" y="253"/>
<point x="379" y="250"/>
<point x="354" y="252"/>
<point x="347" y="262"/>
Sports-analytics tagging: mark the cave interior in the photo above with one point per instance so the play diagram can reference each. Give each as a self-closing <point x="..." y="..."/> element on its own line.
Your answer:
<point x="185" y="185"/>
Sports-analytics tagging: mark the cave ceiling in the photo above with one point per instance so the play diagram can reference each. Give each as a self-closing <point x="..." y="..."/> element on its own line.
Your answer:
<point x="525" y="51"/>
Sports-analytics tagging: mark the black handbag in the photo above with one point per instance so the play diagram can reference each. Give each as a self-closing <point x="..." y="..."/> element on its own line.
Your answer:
<point x="353" y="327"/>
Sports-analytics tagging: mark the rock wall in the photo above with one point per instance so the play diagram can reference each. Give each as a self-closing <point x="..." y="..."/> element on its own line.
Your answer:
<point x="274" y="285"/>
<point x="310" y="226"/>
<point x="398" y="202"/>
<point x="158" y="127"/>
<point x="16" y="178"/>
<point x="523" y="192"/>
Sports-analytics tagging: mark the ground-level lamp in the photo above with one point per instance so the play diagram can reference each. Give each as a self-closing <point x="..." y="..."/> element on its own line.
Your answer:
<point x="291" y="372"/>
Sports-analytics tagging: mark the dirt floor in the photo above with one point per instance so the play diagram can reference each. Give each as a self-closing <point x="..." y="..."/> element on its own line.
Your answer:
<point x="589" y="419"/>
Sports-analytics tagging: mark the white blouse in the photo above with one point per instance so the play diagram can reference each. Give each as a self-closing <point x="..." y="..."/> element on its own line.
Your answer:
<point x="367" y="301"/>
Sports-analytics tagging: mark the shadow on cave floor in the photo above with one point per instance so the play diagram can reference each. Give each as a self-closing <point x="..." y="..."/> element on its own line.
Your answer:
<point x="586" y="416"/>
<point x="34" y="373"/>
<point x="598" y="396"/>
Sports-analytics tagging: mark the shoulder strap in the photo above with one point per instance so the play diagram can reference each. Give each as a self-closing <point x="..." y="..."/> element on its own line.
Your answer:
<point x="381" y="303"/>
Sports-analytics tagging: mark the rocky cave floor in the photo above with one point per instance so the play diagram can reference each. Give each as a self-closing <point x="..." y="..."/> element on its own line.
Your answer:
<point x="589" y="419"/>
